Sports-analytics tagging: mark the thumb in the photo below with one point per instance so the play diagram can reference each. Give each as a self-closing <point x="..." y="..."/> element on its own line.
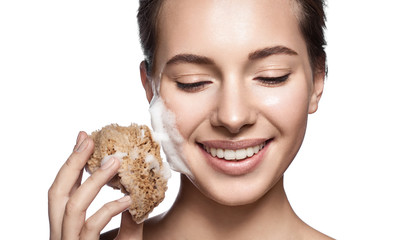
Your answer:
<point x="129" y="229"/>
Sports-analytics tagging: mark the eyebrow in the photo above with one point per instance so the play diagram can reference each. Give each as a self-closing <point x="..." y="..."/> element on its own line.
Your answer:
<point x="189" y="58"/>
<point x="266" y="52"/>
<point x="258" y="54"/>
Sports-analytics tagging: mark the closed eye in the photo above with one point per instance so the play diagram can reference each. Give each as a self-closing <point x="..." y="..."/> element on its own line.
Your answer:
<point x="192" y="87"/>
<point x="272" y="81"/>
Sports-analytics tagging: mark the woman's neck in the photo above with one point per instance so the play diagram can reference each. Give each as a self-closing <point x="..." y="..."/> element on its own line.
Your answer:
<point x="195" y="216"/>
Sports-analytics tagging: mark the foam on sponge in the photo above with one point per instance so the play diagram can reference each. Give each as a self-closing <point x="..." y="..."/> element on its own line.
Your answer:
<point x="142" y="173"/>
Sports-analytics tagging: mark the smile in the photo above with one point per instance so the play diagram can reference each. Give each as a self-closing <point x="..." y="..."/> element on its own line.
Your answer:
<point x="233" y="155"/>
<point x="234" y="151"/>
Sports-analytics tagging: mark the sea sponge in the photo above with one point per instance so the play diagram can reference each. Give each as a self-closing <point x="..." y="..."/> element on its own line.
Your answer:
<point x="142" y="174"/>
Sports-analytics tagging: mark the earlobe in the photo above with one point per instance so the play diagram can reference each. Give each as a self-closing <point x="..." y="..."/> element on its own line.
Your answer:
<point x="318" y="84"/>
<point x="144" y="77"/>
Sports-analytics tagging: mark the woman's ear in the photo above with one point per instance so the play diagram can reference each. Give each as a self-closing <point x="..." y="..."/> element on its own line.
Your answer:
<point x="144" y="77"/>
<point x="317" y="90"/>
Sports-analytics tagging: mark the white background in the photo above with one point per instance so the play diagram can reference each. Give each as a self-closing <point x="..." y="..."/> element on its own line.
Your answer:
<point x="73" y="65"/>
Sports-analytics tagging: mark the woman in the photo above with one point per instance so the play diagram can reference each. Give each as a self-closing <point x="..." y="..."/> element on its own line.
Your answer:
<point x="239" y="79"/>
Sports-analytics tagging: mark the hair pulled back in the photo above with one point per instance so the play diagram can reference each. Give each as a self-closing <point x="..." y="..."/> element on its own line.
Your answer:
<point x="310" y="13"/>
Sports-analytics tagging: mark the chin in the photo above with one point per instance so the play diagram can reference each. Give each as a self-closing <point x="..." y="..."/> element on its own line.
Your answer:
<point x="237" y="191"/>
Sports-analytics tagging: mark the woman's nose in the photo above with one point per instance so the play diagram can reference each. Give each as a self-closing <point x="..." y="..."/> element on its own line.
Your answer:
<point x="234" y="109"/>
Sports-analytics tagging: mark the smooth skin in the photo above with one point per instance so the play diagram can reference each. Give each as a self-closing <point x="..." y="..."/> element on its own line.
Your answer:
<point x="230" y="103"/>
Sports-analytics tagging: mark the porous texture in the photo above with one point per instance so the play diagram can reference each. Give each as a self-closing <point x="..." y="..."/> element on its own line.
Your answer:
<point x="142" y="173"/>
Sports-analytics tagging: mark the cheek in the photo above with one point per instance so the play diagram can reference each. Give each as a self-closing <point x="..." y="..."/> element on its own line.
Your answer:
<point x="286" y="107"/>
<point x="191" y="110"/>
<point x="285" y="110"/>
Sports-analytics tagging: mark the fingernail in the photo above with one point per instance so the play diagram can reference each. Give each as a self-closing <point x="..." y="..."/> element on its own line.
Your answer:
<point x="124" y="199"/>
<point x="107" y="164"/>
<point x="82" y="146"/>
<point x="78" y="137"/>
<point x="76" y="146"/>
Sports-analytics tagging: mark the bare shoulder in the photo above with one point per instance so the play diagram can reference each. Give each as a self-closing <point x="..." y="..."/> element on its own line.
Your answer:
<point x="154" y="228"/>
<point x="311" y="233"/>
<point x="320" y="236"/>
<point x="110" y="235"/>
<point x="150" y="226"/>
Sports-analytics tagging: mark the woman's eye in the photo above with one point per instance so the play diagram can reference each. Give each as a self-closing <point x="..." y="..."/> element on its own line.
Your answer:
<point x="192" y="87"/>
<point x="271" y="81"/>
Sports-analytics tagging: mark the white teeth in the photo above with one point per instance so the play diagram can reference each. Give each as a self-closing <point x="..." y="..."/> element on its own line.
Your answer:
<point x="213" y="152"/>
<point x="250" y="151"/>
<point x="230" y="154"/>
<point x="220" y="153"/>
<point x="256" y="149"/>
<point x="241" y="154"/>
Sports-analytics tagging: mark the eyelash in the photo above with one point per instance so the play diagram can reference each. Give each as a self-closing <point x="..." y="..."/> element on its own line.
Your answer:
<point x="273" y="80"/>
<point x="191" y="87"/>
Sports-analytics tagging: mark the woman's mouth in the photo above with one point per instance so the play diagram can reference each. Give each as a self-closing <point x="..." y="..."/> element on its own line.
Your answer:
<point x="235" y="158"/>
<point x="234" y="154"/>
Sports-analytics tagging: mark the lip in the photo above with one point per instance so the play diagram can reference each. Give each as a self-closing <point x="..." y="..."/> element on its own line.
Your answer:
<point x="238" y="167"/>
<point x="234" y="145"/>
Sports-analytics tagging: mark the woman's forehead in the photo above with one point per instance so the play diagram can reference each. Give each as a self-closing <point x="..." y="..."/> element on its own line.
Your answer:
<point x="225" y="27"/>
<point x="225" y="18"/>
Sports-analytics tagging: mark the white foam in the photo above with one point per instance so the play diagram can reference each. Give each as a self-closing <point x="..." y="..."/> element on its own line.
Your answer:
<point x="165" y="132"/>
<point x="165" y="171"/>
<point x="118" y="155"/>
<point x="152" y="163"/>
<point x="134" y="154"/>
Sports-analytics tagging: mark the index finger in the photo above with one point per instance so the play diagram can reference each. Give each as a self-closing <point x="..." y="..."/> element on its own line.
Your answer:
<point x="68" y="178"/>
<point x="73" y="167"/>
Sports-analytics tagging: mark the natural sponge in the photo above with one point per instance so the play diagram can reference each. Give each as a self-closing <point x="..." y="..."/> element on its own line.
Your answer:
<point x="142" y="173"/>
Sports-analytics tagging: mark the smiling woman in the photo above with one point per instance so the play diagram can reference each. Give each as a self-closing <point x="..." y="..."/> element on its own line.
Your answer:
<point x="240" y="90"/>
<point x="250" y="87"/>
<point x="236" y="81"/>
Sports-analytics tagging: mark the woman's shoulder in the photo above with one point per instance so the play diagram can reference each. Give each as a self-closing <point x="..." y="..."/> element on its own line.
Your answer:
<point x="148" y="227"/>
<point x="311" y="233"/>
<point x="153" y="230"/>
<point x="110" y="235"/>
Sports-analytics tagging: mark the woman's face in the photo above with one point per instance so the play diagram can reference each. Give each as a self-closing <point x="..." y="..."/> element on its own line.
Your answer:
<point x="237" y="76"/>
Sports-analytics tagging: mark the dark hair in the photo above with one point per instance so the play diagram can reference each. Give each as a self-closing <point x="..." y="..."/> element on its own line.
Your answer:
<point x="311" y="17"/>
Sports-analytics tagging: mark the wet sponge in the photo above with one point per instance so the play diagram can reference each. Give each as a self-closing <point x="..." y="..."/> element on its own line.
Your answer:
<point x="142" y="173"/>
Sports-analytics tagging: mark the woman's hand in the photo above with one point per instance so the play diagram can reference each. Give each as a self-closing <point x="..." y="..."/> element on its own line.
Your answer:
<point x="69" y="199"/>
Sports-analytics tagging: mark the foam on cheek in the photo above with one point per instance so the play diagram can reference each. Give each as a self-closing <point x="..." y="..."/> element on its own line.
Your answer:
<point x="165" y="132"/>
